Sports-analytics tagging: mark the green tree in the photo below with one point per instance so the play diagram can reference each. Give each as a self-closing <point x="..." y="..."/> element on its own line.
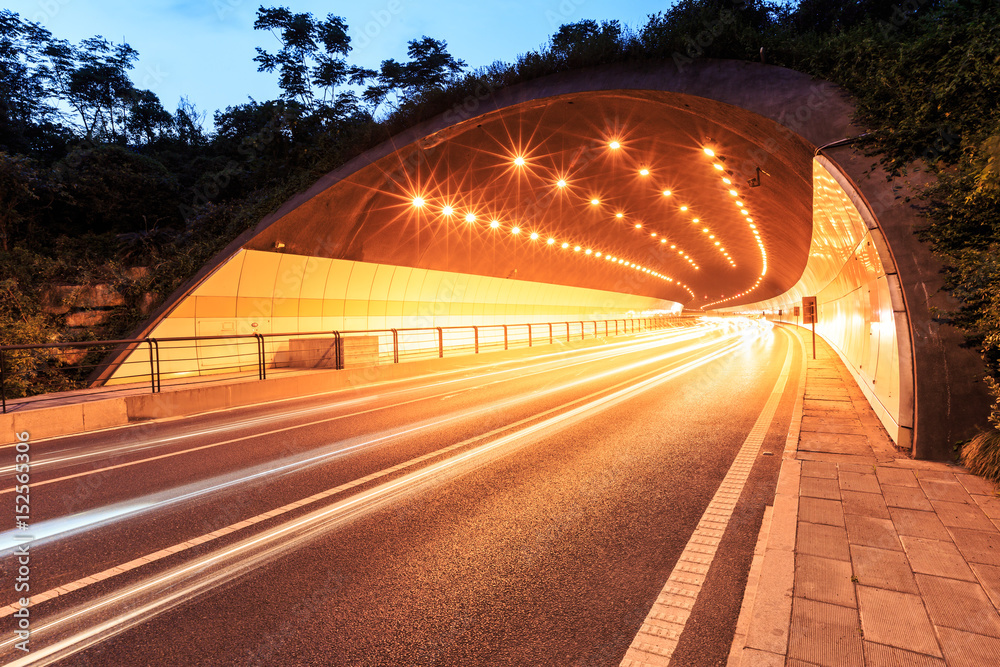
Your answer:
<point x="430" y="68"/>
<point x="92" y="78"/>
<point x="312" y="56"/>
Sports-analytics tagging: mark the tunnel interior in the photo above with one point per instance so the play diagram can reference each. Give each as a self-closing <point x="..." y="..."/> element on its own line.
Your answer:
<point x="639" y="192"/>
<point x="581" y="205"/>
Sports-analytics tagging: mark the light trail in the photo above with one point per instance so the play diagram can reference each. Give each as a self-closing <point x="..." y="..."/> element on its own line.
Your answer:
<point x="144" y="600"/>
<point x="67" y="525"/>
<point x="103" y="453"/>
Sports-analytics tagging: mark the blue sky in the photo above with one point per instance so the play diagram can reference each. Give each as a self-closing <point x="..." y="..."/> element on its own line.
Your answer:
<point x="204" y="49"/>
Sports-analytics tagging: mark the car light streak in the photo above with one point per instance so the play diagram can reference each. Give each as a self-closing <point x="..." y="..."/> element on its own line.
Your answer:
<point x="65" y="526"/>
<point x="143" y="600"/>
<point x="604" y="353"/>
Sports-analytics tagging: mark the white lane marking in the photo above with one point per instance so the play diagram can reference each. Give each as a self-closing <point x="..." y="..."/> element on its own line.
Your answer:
<point x="661" y="630"/>
<point x="283" y="429"/>
<point x="176" y="589"/>
<point x="83" y="520"/>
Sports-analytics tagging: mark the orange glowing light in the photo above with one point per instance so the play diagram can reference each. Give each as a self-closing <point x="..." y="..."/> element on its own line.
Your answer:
<point x="644" y="172"/>
<point x="519" y="161"/>
<point x="515" y="230"/>
<point x="684" y="208"/>
<point x="551" y="241"/>
<point x="561" y="183"/>
<point x="615" y="145"/>
<point x="418" y="202"/>
<point x="470" y="217"/>
<point x="576" y="249"/>
<point x="667" y="193"/>
<point x="447" y="210"/>
<point x="595" y="202"/>
<point x="565" y="245"/>
<point x="494" y="223"/>
<point x="534" y="236"/>
<point x="619" y="215"/>
<point x="718" y="166"/>
<point x="708" y="151"/>
<point x="638" y="225"/>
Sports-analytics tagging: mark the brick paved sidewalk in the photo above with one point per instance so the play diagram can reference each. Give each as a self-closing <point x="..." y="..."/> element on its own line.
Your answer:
<point x="869" y="557"/>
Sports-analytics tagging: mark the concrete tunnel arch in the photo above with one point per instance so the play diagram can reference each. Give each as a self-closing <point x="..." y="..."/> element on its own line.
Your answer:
<point x="347" y="254"/>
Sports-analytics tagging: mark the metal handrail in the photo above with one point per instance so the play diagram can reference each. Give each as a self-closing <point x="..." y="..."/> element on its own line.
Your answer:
<point x="154" y="344"/>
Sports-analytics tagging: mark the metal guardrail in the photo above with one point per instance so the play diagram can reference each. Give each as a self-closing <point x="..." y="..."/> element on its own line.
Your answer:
<point x="66" y="364"/>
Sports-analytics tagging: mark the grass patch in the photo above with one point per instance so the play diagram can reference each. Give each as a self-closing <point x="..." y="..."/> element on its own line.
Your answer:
<point x="981" y="456"/>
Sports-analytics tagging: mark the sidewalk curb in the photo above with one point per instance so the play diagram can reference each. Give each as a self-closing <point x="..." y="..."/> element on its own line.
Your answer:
<point x="763" y="626"/>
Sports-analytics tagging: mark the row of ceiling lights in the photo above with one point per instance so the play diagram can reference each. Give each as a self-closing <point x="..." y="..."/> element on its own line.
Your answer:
<point x="562" y="183"/>
<point x="494" y="224"/>
<point x="727" y="182"/>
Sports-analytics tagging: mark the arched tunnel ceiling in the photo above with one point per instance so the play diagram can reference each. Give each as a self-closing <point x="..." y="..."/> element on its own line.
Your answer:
<point x="468" y="175"/>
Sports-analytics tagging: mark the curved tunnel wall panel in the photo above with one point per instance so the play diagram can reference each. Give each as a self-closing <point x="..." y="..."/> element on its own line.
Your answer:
<point x="860" y="310"/>
<point x="273" y="293"/>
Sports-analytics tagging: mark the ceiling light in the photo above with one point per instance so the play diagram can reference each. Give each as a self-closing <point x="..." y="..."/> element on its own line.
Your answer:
<point x="470" y="217"/>
<point x="709" y="152"/>
<point x="565" y="245"/>
<point x="561" y="183"/>
<point x="615" y="145"/>
<point x="447" y="210"/>
<point x="519" y="161"/>
<point x="418" y="202"/>
<point x="644" y="172"/>
<point x="534" y="236"/>
<point x="494" y="223"/>
<point x="667" y="193"/>
<point x="551" y="241"/>
<point x="595" y="202"/>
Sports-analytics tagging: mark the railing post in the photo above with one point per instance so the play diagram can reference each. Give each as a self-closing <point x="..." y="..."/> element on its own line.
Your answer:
<point x="475" y="333"/>
<point x="261" y="372"/>
<point x="152" y="368"/>
<point x="338" y="351"/>
<point x="395" y="346"/>
<point x="505" y="336"/>
<point x="159" y="375"/>
<point x="3" y="381"/>
<point x="440" y="342"/>
<point x="550" y="333"/>
<point x="605" y="327"/>
<point x="529" y="335"/>
<point x="616" y="327"/>
<point x="567" y="332"/>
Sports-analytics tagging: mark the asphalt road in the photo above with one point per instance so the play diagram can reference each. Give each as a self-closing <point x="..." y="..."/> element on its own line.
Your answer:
<point x="525" y="513"/>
